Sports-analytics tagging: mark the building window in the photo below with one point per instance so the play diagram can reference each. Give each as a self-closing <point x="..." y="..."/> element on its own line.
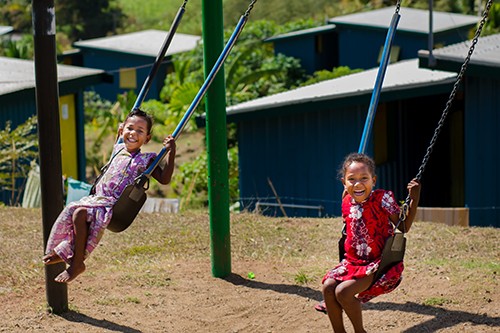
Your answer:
<point x="394" y="56"/>
<point x="128" y="78"/>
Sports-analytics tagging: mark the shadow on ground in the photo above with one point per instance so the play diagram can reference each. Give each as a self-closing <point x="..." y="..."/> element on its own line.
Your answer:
<point x="81" y="318"/>
<point x="441" y="318"/>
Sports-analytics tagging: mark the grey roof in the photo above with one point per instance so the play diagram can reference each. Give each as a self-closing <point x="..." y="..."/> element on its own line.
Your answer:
<point x="304" y="32"/>
<point x="413" y="20"/>
<point x="18" y="74"/>
<point x="399" y="76"/>
<point x="147" y="42"/>
<point x="486" y="53"/>
<point x="5" y="29"/>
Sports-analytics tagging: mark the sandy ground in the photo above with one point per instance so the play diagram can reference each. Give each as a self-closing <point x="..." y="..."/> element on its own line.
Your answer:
<point x="190" y="300"/>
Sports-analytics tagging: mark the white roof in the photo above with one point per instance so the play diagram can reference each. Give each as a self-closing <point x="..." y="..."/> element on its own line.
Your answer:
<point x="486" y="52"/>
<point x="19" y="74"/>
<point x="416" y="20"/>
<point x="5" y="29"/>
<point x="147" y="42"/>
<point x="402" y="75"/>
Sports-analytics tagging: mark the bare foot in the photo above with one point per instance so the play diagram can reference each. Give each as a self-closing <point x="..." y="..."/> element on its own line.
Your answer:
<point x="70" y="274"/>
<point x="51" y="258"/>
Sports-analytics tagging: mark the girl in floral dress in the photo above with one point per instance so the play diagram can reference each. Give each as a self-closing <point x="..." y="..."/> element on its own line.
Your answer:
<point x="80" y="226"/>
<point x="367" y="214"/>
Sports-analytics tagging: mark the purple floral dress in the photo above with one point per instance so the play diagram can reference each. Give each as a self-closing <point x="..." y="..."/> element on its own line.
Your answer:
<point x="122" y="171"/>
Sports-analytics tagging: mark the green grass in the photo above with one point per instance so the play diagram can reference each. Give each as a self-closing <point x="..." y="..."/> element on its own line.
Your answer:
<point x="146" y="253"/>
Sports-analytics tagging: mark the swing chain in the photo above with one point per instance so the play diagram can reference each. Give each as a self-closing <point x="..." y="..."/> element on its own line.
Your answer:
<point x="405" y="208"/>
<point x="403" y="213"/>
<point x="454" y="90"/>
<point x="249" y="9"/>
<point x="398" y="6"/>
<point x="184" y="4"/>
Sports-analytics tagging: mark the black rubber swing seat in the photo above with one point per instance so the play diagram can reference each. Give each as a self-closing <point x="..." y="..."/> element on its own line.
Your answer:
<point x="127" y="207"/>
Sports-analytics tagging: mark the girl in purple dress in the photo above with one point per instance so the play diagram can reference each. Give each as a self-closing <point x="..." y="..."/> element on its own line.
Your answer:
<point x="80" y="226"/>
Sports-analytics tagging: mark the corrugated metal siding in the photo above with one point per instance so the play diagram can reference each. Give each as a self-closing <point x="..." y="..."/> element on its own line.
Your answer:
<point x="373" y="41"/>
<point x="306" y="49"/>
<point x="482" y="161"/>
<point x="17" y="108"/>
<point x="300" y="154"/>
<point x="112" y="62"/>
<point x="18" y="112"/>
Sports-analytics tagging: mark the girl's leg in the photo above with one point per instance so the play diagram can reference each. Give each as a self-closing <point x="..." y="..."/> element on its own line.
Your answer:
<point x="51" y="258"/>
<point x="334" y="309"/>
<point x="77" y="265"/>
<point x="345" y="295"/>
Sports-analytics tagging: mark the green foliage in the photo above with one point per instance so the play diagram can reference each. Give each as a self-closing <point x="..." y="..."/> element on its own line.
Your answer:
<point x="324" y="75"/>
<point x="85" y="19"/>
<point x="101" y="122"/>
<point x="492" y="25"/>
<point x="18" y="149"/>
<point x="190" y="183"/>
<point x="16" y="13"/>
<point x="22" y="48"/>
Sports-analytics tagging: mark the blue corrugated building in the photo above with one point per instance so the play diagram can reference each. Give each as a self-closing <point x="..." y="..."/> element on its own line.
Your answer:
<point x="291" y="144"/>
<point x="316" y="47"/>
<point x="18" y="103"/>
<point x="128" y="58"/>
<point x="297" y="139"/>
<point x="481" y="123"/>
<point x="356" y="40"/>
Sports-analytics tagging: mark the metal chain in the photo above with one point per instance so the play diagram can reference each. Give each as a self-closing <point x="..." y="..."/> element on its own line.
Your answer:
<point x="398" y="6"/>
<point x="404" y="212"/>
<point x="250" y="7"/>
<point x="454" y="91"/>
<point x="184" y="4"/>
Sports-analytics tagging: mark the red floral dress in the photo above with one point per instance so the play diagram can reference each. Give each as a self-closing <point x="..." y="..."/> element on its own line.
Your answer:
<point x="367" y="228"/>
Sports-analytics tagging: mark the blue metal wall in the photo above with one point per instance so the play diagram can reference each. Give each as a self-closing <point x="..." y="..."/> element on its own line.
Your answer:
<point x="300" y="155"/>
<point x="482" y="123"/>
<point x="300" y="152"/>
<point x="113" y="61"/>
<point x="315" y="51"/>
<point x="360" y="47"/>
<point x="17" y="108"/>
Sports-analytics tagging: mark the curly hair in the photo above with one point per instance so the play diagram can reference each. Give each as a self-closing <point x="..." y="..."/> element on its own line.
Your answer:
<point x="356" y="157"/>
<point x="139" y="113"/>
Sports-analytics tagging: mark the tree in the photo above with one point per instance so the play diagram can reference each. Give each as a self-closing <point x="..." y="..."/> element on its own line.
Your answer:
<point x="86" y="19"/>
<point x="18" y="148"/>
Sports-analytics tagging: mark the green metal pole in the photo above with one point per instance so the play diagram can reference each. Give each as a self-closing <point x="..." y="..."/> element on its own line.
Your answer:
<point x="218" y="184"/>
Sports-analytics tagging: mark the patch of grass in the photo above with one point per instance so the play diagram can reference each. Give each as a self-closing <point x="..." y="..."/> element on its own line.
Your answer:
<point x="143" y="250"/>
<point x="109" y="301"/>
<point x="436" y="301"/>
<point x="302" y="278"/>
<point x="132" y="300"/>
<point x="146" y="253"/>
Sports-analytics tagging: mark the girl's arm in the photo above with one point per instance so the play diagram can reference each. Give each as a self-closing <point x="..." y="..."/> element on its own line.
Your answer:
<point x="414" y="193"/>
<point x="164" y="175"/>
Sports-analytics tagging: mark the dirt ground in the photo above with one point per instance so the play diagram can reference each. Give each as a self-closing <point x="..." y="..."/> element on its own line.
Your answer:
<point x="179" y="293"/>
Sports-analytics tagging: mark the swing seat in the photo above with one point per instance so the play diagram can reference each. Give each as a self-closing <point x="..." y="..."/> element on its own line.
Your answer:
<point x="127" y="207"/>
<point x="393" y="253"/>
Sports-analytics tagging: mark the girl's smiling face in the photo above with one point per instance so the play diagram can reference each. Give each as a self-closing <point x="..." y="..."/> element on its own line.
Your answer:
<point x="358" y="181"/>
<point x="135" y="133"/>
